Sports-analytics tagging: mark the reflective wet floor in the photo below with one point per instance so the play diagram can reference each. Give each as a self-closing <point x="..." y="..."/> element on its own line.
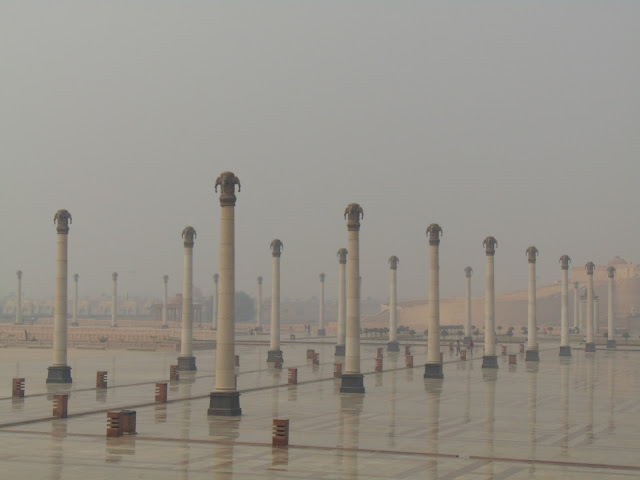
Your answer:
<point x="563" y="418"/>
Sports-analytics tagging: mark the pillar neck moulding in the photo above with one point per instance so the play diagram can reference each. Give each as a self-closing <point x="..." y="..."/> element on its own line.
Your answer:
<point x="433" y="367"/>
<point x="259" y="306"/>
<point x="165" y="281"/>
<point x="467" y="324"/>
<point x="274" y="345"/>
<point x="352" y="380"/>
<point x="565" y="349"/>
<point x="321" y="330"/>
<point x="489" y="359"/>
<point x="611" y="332"/>
<point x="393" y="345"/>
<point x="225" y="399"/>
<point x="214" y="325"/>
<point x="590" y="345"/>
<point x="532" y="354"/>
<point x="114" y="300"/>
<point x="342" y="301"/>
<point x="60" y="372"/>
<point x="186" y="360"/>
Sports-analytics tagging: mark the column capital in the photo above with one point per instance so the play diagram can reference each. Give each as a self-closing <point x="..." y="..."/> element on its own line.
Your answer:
<point x="490" y="244"/>
<point x="63" y="219"/>
<point x="165" y="278"/>
<point x="227" y="182"/>
<point x="468" y="271"/>
<point x="611" y="271"/>
<point x="276" y="247"/>
<point x="19" y="274"/>
<point x="216" y="277"/>
<point x="322" y="277"/>
<point x="342" y="256"/>
<point x="532" y="253"/>
<point x="114" y="276"/>
<point x="260" y="280"/>
<point x="393" y="262"/>
<point x="353" y="213"/>
<point x="565" y="261"/>
<point x="189" y="234"/>
<point x="75" y="277"/>
<point x="434" y="231"/>
<point x="590" y="266"/>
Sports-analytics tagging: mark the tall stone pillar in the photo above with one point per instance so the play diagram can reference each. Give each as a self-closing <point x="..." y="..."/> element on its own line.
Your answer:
<point x="532" y="354"/>
<point x="393" y="345"/>
<point x="321" y="330"/>
<point x="565" y="349"/>
<point x="433" y="367"/>
<point x="19" y="299"/>
<point x="186" y="360"/>
<point x="60" y="372"/>
<point x="467" y="324"/>
<point x="75" y="300"/>
<point x="225" y="399"/>
<point x="352" y="379"/>
<point x="590" y="346"/>
<point x="274" y="346"/>
<point x="114" y="300"/>
<point x="165" y="301"/>
<point x="259" y="306"/>
<point x="214" y="325"/>
<point x="576" y="298"/>
<point x="596" y="315"/>
<point x="489" y="359"/>
<point x="611" y="333"/>
<point x="342" y="301"/>
<point x="583" y="312"/>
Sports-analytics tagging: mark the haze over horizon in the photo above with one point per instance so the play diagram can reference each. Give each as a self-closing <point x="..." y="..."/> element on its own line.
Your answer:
<point x="514" y="120"/>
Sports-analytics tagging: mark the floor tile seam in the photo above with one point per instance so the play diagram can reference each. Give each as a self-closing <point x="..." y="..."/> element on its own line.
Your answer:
<point x="556" y="463"/>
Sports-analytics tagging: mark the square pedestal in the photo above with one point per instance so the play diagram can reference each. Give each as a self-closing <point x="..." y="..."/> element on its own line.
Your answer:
<point x="393" y="347"/>
<point x="322" y="332"/>
<point x="590" y="347"/>
<point x="490" y="361"/>
<point x="273" y="354"/>
<point x="433" y="370"/>
<point x="339" y="350"/>
<point x="352" y="383"/>
<point x="187" y="364"/>
<point x="59" y="374"/>
<point x="565" y="351"/>
<point x="532" y="356"/>
<point x="224" y="404"/>
<point x="611" y="344"/>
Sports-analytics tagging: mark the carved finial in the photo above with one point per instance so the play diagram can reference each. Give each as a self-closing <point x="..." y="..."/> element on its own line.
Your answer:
<point x="165" y="278"/>
<point x="189" y="234"/>
<point x="227" y="182"/>
<point x="276" y="247"/>
<point x="63" y="219"/>
<point x="260" y="280"/>
<point x="565" y="261"/>
<point x="433" y="232"/>
<point x="532" y="253"/>
<point x="468" y="271"/>
<point x="490" y="244"/>
<point x="322" y="277"/>
<point x="342" y="255"/>
<point x="353" y="213"/>
<point x="393" y="262"/>
<point x="75" y="277"/>
<point x="611" y="271"/>
<point x="114" y="275"/>
<point x="19" y="274"/>
<point x="215" y="278"/>
<point x="590" y="266"/>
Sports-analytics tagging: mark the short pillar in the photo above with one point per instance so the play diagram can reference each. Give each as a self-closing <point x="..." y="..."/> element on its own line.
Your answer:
<point x="60" y="404"/>
<point x="128" y="422"/>
<point x="174" y="375"/>
<point x="513" y="359"/>
<point x="337" y="370"/>
<point x="17" y="388"/>
<point x="280" y="432"/>
<point x="409" y="360"/>
<point x="161" y="393"/>
<point x="310" y="353"/>
<point x="293" y="376"/>
<point x="463" y="354"/>
<point x="114" y="424"/>
<point x="407" y="349"/>
<point x="522" y="348"/>
<point x="101" y="379"/>
<point x="379" y="364"/>
<point x="379" y="355"/>
<point x="316" y="359"/>
<point x="504" y="349"/>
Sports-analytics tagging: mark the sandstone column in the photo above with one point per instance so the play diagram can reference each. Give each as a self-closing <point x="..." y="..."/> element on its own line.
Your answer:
<point x="259" y="306"/>
<point x="165" y="301"/>
<point x="583" y="312"/>
<point x="433" y="367"/>
<point x="342" y="301"/>
<point x="393" y="345"/>
<point x="352" y="379"/>
<point x="532" y="354"/>
<point x="114" y="300"/>
<point x="186" y="360"/>
<point x="274" y="346"/>
<point x="596" y="315"/>
<point x="590" y="346"/>
<point x="576" y="298"/>
<point x="489" y="359"/>
<point x="467" y="326"/>
<point x="59" y="372"/>
<point x="19" y="299"/>
<point x="565" y="349"/>
<point x="75" y="300"/>
<point x="225" y="399"/>
<point x="321" y="331"/>
<point x="611" y="333"/>
<point x="214" y="325"/>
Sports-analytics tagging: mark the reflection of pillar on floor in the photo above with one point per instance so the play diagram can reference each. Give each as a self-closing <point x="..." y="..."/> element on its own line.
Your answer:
<point x="590" y="345"/>
<point x="564" y="393"/>
<point x="185" y="389"/>
<point x="532" y="387"/>
<point x="223" y="451"/>
<point x="611" y="332"/>
<point x="532" y="354"/>
<point x="467" y="325"/>
<point x="489" y="359"/>
<point x="565" y="349"/>
<point x="393" y="345"/>
<point x="433" y="367"/>
<point x="489" y="378"/>
<point x="612" y="393"/>
<point x="433" y="390"/>
<point x="590" y="372"/>
<point x="342" y="301"/>
<point x="351" y="407"/>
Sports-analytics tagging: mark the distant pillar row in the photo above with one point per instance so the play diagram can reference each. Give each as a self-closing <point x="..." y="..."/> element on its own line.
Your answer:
<point x="467" y="325"/>
<point x="565" y="349"/>
<point x="165" y="281"/>
<point x="321" y="330"/>
<point x="114" y="300"/>
<point x="19" y="299"/>
<point x="259" y="306"/>
<point x="60" y="372"/>
<point x="433" y="367"/>
<point x="342" y="300"/>
<point x="590" y="346"/>
<point x="186" y="360"/>
<point x="532" y="354"/>
<point x="393" y="345"/>
<point x="611" y="332"/>
<point x="74" y="322"/>
<point x="489" y="359"/>
<point x="274" y="346"/>
<point x="214" y="325"/>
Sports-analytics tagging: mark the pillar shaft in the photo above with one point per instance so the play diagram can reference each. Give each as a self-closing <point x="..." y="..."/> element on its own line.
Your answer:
<point x="215" y="304"/>
<point x="274" y="345"/>
<point x="467" y="325"/>
<point x="583" y="311"/>
<point x="489" y="310"/>
<point x="352" y="341"/>
<point x="186" y="349"/>
<point x="342" y="303"/>
<point x="19" y="301"/>
<point x="60" y="316"/>
<point x="114" y="304"/>
<point x="321" y="312"/>
<point x="393" y="318"/>
<point x="259" y="307"/>
<point x="610" y="310"/>
<point x="589" y="319"/>
<point x="433" y="342"/>
<point x="596" y="314"/>
<point x="164" y="305"/>
<point x="532" y="343"/>
<point x="564" y="324"/>
<point x="576" y="294"/>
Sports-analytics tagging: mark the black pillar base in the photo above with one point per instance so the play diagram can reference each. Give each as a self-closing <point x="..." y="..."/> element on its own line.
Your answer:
<point x="611" y="344"/>
<point x="224" y="404"/>
<point x="322" y="332"/>
<point x="590" y="347"/>
<point x="433" y="370"/>
<point x="273" y="354"/>
<point x="59" y="374"/>
<point x="393" y="347"/>
<point x="339" y="350"/>
<point x="352" y="383"/>
<point x="467" y="341"/>
<point x="531" y="356"/>
<point x="490" y="361"/>
<point x="565" y="351"/>
<point x="187" y="364"/>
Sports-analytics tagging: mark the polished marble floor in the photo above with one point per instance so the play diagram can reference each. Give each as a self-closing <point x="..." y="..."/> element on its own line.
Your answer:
<point x="561" y="418"/>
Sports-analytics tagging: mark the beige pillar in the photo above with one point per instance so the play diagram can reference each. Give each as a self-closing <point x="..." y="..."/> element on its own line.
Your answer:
<point x="576" y="298"/>
<point x="186" y="360"/>
<point x="321" y="331"/>
<point x="467" y="325"/>
<point x="19" y="299"/>
<point x="214" y="325"/>
<point x="611" y="333"/>
<point x="393" y="345"/>
<point x="114" y="300"/>
<point x="565" y="349"/>
<point x="75" y="299"/>
<point x="165" y="301"/>
<point x="342" y="301"/>
<point x="352" y="379"/>
<point x="532" y="354"/>
<point x="489" y="359"/>
<point x="590" y="345"/>
<point x="433" y="367"/>
<point x="225" y="399"/>
<point x="59" y="372"/>
<point x="583" y="312"/>
<point x="259" y="306"/>
<point x="274" y="346"/>
<point x="596" y="315"/>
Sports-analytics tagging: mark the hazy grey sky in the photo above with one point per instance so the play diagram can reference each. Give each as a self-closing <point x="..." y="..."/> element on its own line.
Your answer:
<point x="514" y="119"/>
